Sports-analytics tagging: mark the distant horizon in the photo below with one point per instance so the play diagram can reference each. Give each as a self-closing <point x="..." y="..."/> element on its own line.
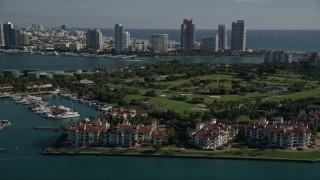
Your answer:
<point x="255" y="29"/>
<point x="167" y="14"/>
<point x="196" y="29"/>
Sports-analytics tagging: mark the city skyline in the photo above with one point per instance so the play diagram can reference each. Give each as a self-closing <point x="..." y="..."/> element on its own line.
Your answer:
<point x="262" y="14"/>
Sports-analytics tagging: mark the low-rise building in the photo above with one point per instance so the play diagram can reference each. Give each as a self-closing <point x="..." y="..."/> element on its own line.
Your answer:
<point x="281" y="134"/>
<point x="212" y="135"/>
<point x="98" y="132"/>
<point x="278" y="57"/>
<point x="314" y="59"/>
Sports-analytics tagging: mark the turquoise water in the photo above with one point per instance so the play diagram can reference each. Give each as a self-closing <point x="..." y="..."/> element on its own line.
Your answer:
<point x="24" y="160"/>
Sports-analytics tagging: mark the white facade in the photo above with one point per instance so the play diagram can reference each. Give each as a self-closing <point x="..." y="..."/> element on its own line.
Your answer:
<point x="159" y="43"/>
<point x="212" y="135"/>
<point x="126" y="42"/>
<point x="98" y="132"/>
<point x="280" y="134"/>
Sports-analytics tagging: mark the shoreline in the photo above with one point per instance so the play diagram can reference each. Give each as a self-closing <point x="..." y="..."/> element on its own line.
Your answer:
<point x="97" y="153"/>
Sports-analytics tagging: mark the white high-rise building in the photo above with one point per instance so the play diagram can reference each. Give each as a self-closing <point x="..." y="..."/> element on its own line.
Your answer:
<point x="118" y="37"/>
<point x="94" y="39"/>
<point x="239" y="36"/>
<point x="210" y="44"/>
<point x="1" y="36"/>
<point x="126" y="42"/>
<point x="222" y="33"/>
<point x="159" y="43"/>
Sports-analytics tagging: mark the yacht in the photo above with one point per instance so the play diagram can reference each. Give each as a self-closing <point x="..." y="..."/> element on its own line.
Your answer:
<point x="67" y="115"/>
<point x="4" y="123"/>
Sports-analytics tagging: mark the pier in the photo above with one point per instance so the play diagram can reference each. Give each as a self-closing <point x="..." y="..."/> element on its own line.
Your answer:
<point x="6" y="95"/>
<point x="49" y="128"/>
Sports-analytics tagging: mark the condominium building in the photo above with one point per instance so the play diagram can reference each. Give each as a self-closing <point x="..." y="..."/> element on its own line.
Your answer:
<point x="126" y="42"/>
<point x="280" y="134"/>
<point x="212" y="135"/>
<point x="210" y="44"/>
<point x="94" y="39"/>
<point x="278" y="57"/>
<point x="118" y="37"/>
<point x="312" y="117"/>
<point x="313" y="58"/>
<point x="13" y="37"/>
<point x="187" y="35"/>
<point x="8" y="36"/>
<point x="76" y="46"/>
<point x="239" y="36"/>
<point x="1" y="35"/>
<point x="159" y="43"/>
<point x="99" y="132"/>
<point x="222" y="34"/>
<point x="23" y="38"/>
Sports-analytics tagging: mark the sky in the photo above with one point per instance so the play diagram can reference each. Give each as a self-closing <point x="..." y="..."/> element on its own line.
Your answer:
<point x="163" y="14"/>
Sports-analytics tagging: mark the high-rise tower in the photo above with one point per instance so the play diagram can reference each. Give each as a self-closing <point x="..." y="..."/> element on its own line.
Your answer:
<point x="94" y="39"/>
<point x="239" y="36"/>
<point x="187" y="35"/>
<point x="8" y="35"/>
<point x="126" y="42"/>
<point x="1" y="36"/>
<point x="118" y="36"/>
<point x="222" y="34"/>
<point x="159" y="43"/>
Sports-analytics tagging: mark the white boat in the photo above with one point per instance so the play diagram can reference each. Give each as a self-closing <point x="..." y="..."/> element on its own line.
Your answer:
<point x="4" y="123"/>
<point x="67" y="115"/>
<point x="48" y="115"/>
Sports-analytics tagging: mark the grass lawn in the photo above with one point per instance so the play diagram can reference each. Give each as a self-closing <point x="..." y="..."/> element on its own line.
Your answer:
<point x="271" y="154"/>
<point x="164" y="100"/>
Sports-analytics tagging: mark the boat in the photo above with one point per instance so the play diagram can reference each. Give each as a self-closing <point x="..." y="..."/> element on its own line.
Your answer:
<point x="3" y="149"/>
<point x="48" y="115"/>
<point x="67" y="115"/>
<point x="4" y="123"/>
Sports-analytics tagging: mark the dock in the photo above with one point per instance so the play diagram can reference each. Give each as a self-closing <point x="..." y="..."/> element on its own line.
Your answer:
<point x="49" y="128"/>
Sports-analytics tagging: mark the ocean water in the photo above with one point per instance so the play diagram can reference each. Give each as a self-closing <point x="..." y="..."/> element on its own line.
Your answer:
<point x="291" y="40"/>
<point x="24" y="160"/>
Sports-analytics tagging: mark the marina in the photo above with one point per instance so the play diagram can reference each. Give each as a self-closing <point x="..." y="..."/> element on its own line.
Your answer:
<point x="35" y="103"/>
<point x="23" y="157"/>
